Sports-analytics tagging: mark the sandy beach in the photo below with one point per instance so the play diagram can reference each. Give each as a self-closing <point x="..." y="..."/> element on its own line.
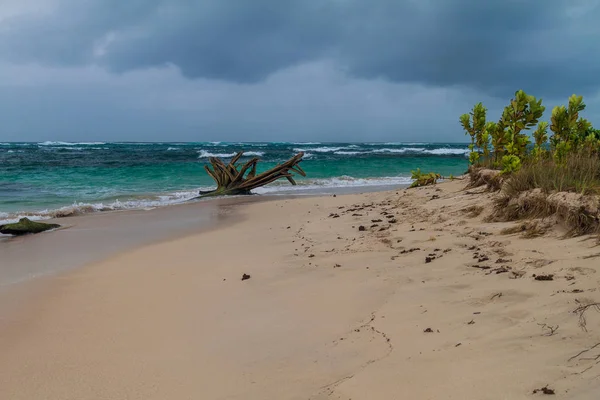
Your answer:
<point x="406" y="294"/>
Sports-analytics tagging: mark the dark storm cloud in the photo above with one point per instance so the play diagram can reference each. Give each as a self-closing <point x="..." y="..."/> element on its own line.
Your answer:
<point x="549" y="47"/>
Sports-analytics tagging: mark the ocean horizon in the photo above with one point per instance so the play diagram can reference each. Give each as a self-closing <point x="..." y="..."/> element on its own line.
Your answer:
<point x="52" y="179"/>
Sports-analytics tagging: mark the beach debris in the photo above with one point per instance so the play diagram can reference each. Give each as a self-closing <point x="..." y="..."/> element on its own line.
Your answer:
<point x="549" y="277"/>
<point x="517" y="274"/>
<point x="245" y="277"/>
<point x="233" y="181"/>
<point x="549" y="330"/>
<point x="498" y="295"/>
<point x="429" y="259"/>
<point x="337" y="266"/>
<point x="26" y="226"/>
<point x="362" y="228"/>
<point x="544" y="390"/>
<point x="500" y="270"/>
<point x="410" y="250"/>
<point x="428" y="330"/>
<point x="581" y="310"/>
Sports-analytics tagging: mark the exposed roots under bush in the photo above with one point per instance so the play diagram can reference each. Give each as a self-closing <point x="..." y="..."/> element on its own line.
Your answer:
<point x="579" y="213"/>
<point x="490" y="178"/>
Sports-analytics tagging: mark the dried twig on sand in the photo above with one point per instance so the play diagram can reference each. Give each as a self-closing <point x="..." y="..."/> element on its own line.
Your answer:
<point x="581" y="310"/>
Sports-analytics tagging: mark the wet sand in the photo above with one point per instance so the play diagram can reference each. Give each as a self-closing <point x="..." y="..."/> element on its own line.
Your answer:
<point x="427" y="301"/>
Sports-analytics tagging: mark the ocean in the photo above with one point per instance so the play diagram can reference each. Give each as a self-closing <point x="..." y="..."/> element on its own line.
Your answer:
<point x="53" y="179"/>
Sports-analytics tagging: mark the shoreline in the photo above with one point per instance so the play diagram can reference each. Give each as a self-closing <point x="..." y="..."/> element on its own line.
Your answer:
<point x="33" y="256"/>
<point x="329" y="311"/>
<point x="78" y="209"/>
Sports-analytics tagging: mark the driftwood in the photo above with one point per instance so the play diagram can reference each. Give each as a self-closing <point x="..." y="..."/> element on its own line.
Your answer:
<point x="234" y="179"/>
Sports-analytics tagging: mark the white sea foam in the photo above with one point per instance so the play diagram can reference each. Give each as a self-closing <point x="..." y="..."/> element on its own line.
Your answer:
<point x="162" y="200"/>
<point x="52" y="148"/>
<point x="447" y="151"/>
<point x="331" y="183"/>
<point x="399" y="151"/>
<point x="347" y="153"/>
<point x="401" y="144"/>
<point x="322" y="149"/>
<point x="172" y="148"/>
<point x="206" y="154"/>
<point x="304" y="143"/>
<point x="51" y="143"/>
<point x="86" y="208"/>
<point x="437" y="152"/>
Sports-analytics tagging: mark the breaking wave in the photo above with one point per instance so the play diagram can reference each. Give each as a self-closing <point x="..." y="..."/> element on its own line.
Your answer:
<point x="207" y="154"/>
<point x="333" y="183"/>
<point x="50" y="143"/>
<point x="86" y="208"/>
<point x="308" y="185"/>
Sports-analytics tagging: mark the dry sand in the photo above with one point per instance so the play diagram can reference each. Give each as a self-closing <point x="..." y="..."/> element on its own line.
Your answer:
<point x="330" y="311"/>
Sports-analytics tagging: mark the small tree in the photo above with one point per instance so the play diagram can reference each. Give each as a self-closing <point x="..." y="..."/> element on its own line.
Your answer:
<point x="474" y="126"/>
<point x="569" y="131"/>
<point x="541" y="138"/>
<point x="522" y="114"/>
<point x="499" y="139"/>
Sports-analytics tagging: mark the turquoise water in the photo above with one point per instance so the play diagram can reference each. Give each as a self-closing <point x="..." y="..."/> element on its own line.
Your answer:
<point x="58" y="178"/>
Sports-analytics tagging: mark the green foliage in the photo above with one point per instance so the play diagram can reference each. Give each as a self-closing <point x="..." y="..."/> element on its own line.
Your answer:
<point x="572" y="133"/>
<point x="498" y="134"/>
<point x="541" y="138"/>
<point x="523" y="113"/>
<point x="475" y="126"/>
<point x="423" y="179"/>
<point x="571" y="154"/>
<point x="510" y="163"/>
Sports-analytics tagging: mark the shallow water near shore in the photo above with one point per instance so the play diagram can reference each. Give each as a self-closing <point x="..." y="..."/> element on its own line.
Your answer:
<point x="56" y="179"/>
<point x="89" y="238"/>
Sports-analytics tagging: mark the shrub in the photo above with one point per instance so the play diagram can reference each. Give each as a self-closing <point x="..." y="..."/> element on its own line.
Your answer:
<point x="578" y="172"/>
<point x="424" y="179"/>
<point x="511" y="144"/>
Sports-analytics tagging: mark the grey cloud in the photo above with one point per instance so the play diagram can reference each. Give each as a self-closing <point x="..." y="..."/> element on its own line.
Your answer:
<point x="312" y="102"/>
<point x="548" y="47"/>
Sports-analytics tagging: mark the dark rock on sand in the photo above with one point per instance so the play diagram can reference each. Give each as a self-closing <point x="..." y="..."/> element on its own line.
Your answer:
<point x="25" y="226"/>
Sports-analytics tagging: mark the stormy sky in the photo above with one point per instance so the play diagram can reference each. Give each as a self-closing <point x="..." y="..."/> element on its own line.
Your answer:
<point x="277" y="70"/>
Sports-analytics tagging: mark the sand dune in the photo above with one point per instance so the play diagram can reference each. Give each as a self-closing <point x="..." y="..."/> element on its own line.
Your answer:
<point x="426" y="301"/>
